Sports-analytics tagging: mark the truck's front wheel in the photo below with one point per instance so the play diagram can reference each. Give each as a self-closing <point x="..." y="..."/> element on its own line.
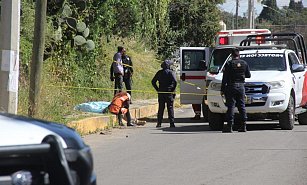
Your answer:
<point x="286" y="118"/>
<point x="302" y="118"/>
<point x="216" y="120"/>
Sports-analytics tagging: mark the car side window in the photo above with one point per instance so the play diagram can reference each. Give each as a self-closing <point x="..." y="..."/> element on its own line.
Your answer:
<point x="293" y="60"/>
<point x="193" y="60"/>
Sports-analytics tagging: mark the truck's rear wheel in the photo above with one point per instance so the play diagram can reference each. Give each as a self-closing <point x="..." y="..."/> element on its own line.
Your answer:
<point x="287" y="118"/>
<point x="302" y="118"/>
<point x="205" y="110"/>
<point x="216" y="120"/>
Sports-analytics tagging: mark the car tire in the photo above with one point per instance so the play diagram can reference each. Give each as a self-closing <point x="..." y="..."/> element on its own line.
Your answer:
<point x="302" y="118"/>
<point x="287" y="118"/>
<point x="216" y="120"/>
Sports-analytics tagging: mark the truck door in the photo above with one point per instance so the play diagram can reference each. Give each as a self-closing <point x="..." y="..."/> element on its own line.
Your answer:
<point x="193" y="65"/>
<point x="298" y="79"/>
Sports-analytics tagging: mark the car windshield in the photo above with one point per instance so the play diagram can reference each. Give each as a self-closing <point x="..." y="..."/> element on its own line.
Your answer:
<point x="265" y="61"/>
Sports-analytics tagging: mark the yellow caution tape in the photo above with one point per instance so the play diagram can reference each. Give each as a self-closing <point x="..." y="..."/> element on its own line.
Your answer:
<point x="134" y="90"/>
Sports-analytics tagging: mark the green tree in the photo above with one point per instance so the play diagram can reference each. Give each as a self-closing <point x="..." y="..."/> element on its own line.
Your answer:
<point x="270" y="12"/>
<point x="296" y="6"/>
<point x="194" y="23"/>
<point x="229" y="20"/>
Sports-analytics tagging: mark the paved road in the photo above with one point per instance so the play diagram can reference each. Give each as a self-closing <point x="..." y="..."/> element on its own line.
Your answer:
<point x="191" y="154"/>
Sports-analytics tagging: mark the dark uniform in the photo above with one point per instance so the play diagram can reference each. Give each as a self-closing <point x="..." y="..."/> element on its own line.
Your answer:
<point x="167" y="83"/>
<point x="234" y="75"/>
<point x="128" y="71"/>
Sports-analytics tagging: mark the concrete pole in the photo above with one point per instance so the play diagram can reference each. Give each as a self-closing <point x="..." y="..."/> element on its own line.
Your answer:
<point x="237" y="14"/>
<point x="9" y="47"/>
<point x="251" y="13"/>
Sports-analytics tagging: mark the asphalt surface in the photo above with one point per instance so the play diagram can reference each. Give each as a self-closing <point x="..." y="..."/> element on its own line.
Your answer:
<point x="191" y="154"/>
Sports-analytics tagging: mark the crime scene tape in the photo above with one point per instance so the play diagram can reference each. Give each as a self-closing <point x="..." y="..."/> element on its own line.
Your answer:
<point x="134" y="90"/>
<point x="123" y="64"/>
<point x="142" y="91"/>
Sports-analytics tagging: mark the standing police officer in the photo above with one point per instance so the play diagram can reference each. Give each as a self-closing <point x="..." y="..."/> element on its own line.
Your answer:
<point x="117" y="70"/>
<point x="234" y="75"/>
<point x="128" y="71"/>
<point x="167" y="83"/>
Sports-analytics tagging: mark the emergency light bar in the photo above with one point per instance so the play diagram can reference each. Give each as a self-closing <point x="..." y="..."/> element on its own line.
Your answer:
<point x="260" y="40"/>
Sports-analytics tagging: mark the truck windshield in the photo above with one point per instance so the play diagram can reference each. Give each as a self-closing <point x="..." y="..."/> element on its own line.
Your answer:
<point x="265" y="61"/>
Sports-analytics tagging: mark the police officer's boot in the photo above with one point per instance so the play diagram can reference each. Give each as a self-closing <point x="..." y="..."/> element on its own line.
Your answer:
<point x="242" y="127"/>
<point x="120" y="119"/>
<point x="196" y="117"/>
<point x="158" y="125"/>
<point x="228" y="128"/>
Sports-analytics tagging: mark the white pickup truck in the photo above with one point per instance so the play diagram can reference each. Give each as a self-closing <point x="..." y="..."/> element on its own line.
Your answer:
<point x="277" y="88"/>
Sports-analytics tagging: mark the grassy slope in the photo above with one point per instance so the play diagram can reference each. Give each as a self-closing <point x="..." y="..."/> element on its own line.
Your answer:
<point x="57" y="102"/>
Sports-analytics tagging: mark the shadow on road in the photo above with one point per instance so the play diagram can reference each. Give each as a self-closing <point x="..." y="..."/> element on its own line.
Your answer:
<point x="177" y="120"/>
<point x="202" y="126"/>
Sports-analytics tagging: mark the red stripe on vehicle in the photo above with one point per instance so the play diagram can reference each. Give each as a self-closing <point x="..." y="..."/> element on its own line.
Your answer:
<point x="262" y="31"/>
<point x="304" y="92"/>
<point x="242" y="32"/>
<point x="223" y="32"/>
<point x="195" y="77"/>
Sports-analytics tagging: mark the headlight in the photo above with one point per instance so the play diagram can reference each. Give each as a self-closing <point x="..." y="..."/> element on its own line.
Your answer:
<point x="277" y="84"/>
<point x="215" y="86"/>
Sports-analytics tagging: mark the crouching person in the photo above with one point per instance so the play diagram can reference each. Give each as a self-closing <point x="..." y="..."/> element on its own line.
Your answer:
<point x="120" y="107"/>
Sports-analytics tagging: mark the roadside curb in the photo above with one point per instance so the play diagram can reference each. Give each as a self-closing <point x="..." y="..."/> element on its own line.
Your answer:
<point x="94" y="124"/>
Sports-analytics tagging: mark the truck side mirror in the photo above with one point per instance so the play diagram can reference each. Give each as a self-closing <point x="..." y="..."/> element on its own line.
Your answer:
<point x="298" y="67"/>
<point x="202" y="65"/>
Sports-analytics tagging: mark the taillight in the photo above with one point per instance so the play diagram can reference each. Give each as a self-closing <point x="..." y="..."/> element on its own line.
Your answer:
<point x="260" y="40"/>
<point x="223" y="40"/>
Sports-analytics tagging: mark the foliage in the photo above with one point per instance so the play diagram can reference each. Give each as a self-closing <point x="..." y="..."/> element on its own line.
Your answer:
<point x="229" y="20"/>
<point x="270" y="12"/>
<point x="193" y="23"/>
<point x="296" y="6"/>
<point x="82" y="37"/>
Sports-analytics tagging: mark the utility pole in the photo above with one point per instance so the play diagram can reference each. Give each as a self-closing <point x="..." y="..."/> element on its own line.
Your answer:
<point x="37" y="56"/>
<point x="251" y="13"/>
<point x="237" y="12"/>
<point x="9" y="46"/>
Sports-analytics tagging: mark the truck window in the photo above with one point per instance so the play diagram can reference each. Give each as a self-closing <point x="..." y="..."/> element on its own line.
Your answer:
<point x="219" y="56"/>
<point x="265" y="61"/>
<point x="293" y="59"/>
<point x="191" y="60"/>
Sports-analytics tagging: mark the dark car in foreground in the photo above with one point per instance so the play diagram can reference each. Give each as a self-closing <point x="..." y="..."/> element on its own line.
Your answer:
<point x="37" y="152"/>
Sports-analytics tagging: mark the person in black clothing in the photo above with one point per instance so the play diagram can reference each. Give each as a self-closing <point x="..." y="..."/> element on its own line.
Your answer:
<point x="128" y="71"/>
<point x="235" y="72"/>
<point x="117" y="70"/>
<point x="167" y="83"/>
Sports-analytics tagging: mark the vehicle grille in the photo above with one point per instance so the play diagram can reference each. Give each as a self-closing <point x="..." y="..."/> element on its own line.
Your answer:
<point x="256" y="88"/>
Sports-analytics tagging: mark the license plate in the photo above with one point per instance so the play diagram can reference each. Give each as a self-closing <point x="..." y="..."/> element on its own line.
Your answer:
<point x="248" y="100"/>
